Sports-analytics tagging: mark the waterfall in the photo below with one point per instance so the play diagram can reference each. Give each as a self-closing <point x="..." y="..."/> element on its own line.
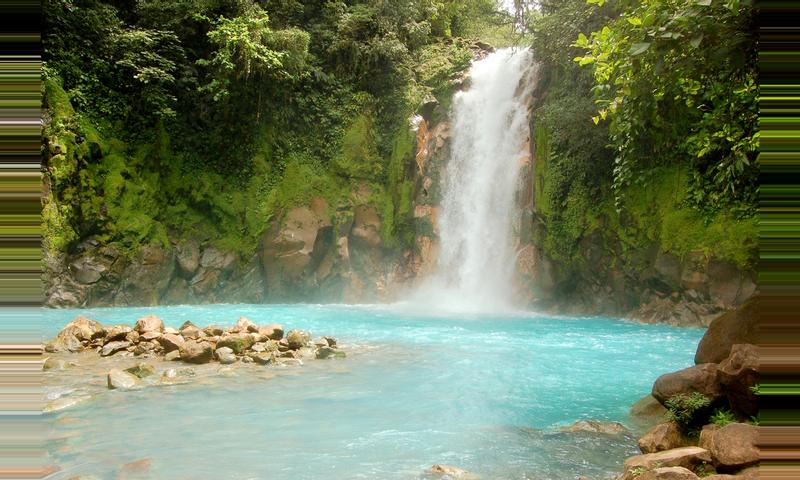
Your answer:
<point x="490" y="131"/>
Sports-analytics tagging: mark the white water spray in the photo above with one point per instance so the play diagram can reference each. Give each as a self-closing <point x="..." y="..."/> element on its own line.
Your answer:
<point x="490" y="128"/>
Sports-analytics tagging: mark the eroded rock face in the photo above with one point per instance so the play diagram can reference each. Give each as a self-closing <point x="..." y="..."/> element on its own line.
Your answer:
<point x="738" y="374"/>
<point x="702" y="378"/>
<point x="664" y="436"/>
<point x="736" y="326"/>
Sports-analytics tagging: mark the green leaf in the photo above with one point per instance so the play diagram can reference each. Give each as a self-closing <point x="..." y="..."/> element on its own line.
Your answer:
<point x="703" y="3"/>
<point x="634" y="20"/>
<point x="695" y="42"/>
<point x="639" y="48"/>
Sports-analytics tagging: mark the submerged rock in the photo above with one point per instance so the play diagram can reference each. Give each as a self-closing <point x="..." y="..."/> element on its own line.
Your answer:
<point x="450" y="472"/>
<point x="329" y="352"/>
<point x="141" y="370"/>
<point x="121" y="380"/>
<point x="593" y="426"/>
<point x="62" y="403"/>
<point x="55" y="364"/>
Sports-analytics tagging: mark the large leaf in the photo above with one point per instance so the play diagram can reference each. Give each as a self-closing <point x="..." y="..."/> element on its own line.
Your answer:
<point x="639" y="48"/>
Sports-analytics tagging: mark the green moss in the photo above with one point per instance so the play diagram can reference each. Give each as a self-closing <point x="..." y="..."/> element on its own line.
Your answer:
<point x="359" y="157"/>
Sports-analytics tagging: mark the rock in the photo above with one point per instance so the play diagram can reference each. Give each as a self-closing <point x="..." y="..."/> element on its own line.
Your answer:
<point x="225" y="355"/>
<point x="686" y="457"/>
<point x="737" y="374"/>
<point x="703" y="378"/>
<point x="169" y="373"/>
<point x="187" y="324"/>
<point x="329" y="352"/>
<point x="297" y="339"/>
<point x="188" y="257"/>
<point x="64" y="343"/>
<point x="331" y="341"/>
<point x="734" y="447"/>
<point x="62" y="403"/>
<point x="668" y="473"/>
<point x="593" y="426"/>
<point x="226" y="372"/>
<point x="736" y="326"/>
<point x="244" y="324"/>
<point x="706" y="434"/>
<point x="132" y="337"/>
<point x="141" y="370"/>
<point x="117" y="332"/>
<point x="247" y="359"/>
<point x="213" y="330"/>
<point x="55" y="364"/>
<point x="114" y="347"/>
<point x="191" y="333"/>
<point x="449" y="472"/>
<point x="149" y="323"/>
<point x="120" y="380"/>
<point x="664" y="436"/>
<point x="648" y="411"/>
<point x="366" y="227"/>
<point x="173" y="331"/>
<point x="172" y="356"/>
<point x="195" y="352"/>
<point x="151" y="335"/>
<point x="262" y="359"/>
<point x="237" y="342"/>
<point x="70" y="338"/>
<point x="171" y="342"/>
<point x="272" y="332"/>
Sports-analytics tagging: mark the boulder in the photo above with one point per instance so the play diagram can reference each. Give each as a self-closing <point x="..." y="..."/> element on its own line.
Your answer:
<point x="329" y="352"/>
<point x="648" y="411"/>
<point x="150" y="335"/>
<point x="120" y="380"/>
<point x="687" y="457"/>
<point x="188" y="256"/>
<point x="668" y="473"/>
<point x="172" y="356"/>
<point x="706" y="434"/>
<point x="244" y="324"/>
<point x="213" y="330"/>
<point x="147" y="276"/>
<point x="735" y="326"/>
<point x="114" y="347"/>
<point x="664" y="436"/>
<point x="55" y="364"/>
<point x="187" y="324"/>
<point x="593" y="426"/>
<point x="117" y="332"/>
<point x="70" y="338"/>
<point x="703" y="378"/>
<point x="272" y="331"/>
<point x="141" y="370"/>
<point x="297" y="339"/>
<point x="225" y="355"/>
<point x="737" y="374"/>
<point x="262" y="358"/>
<point x="132" y="337"/>
<point x="171" y="342"/>
<point x="734" y="447"/>
<point x="196" y="352"/>
<point x="237" y="342"/>
<point x="191" y="333"/>
<point x="149" y="323"/>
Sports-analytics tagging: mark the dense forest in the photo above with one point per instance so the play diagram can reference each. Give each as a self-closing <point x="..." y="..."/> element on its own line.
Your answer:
<point x="203" y="118"/>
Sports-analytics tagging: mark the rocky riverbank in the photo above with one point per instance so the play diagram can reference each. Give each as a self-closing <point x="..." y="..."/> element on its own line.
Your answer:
<point x="711" y="423"/>
<point x="87" y="357"/>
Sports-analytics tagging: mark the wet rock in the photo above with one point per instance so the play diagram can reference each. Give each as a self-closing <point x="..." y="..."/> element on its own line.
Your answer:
<point x="262" y="358"/>
<point x="237" y="342"/>
<point x="272" y="332"/>
<point x="738" y="374"/>
<point x="735" y="326"/>
<point x="63" y="403"/>
<point x="149" y="323"/>
<point x="114" y="347"/>
<point x="121" y="380"/>
<point x="141" y="370"/>
<point x="686" y="457"/>
<point x="171" y="342"/>
<point x="664" y="436"/>
<point x="196" y="352"/>
<point x="366" y="227"/>
<point x="297" y="339"/>
<point x="225" y="355"/>
<point x="668" y="473"/>
<point x="55" y="364"/>
<point x="734" y="447"/>
<point x="593" y="426"/>
<point x="117" y="332"/>
<point x="703" y="378"/>
<point x="329" y="352"/>
<point x="247" y="359"/>
<point x="172" y="356"/>
<point x="226" y="372"/>
<point x="449" y="472"/>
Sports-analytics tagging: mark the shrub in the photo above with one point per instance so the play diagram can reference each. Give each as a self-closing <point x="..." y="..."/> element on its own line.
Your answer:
<point x="689" y="411"/>
<point x="722" y="417"/>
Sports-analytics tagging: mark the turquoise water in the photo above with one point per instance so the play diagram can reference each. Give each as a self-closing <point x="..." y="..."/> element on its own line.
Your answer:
<point x="486" y="393"/>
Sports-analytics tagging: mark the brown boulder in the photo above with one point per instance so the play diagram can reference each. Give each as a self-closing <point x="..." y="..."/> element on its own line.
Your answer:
<point x="196" y="352"/>
<point x="244" y="324"/>
<point x="664" y="436"/>
<point x="188" y="256"/>
<point x="706" y="434"/>
<point x="171" y="342"/>
<point x="737" y="374"/>
<point x="191" y="332"/>
<point x="117" y="332"/>
<point x="734" y="447"/>
<point x="213" y="330"/>
<point x="114" y="347"/>
<point x="238" y="342"/>
<point x="149" y="323"/>
<point x="297" y="339"/>
<point x="703" y="378"/>
<point x="272" y="332"/>
<point x="686" y="457"/>
<point x="79" y="330"/>
<point x="735" y="326"/>
<point x="593" y="426"/>
<point x="668" y="473"/>
<point x="648" y="411"/>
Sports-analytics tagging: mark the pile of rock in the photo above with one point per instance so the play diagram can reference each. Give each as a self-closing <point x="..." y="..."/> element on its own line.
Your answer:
<point x="245" y="342"/>
<point x="725" y="373"/>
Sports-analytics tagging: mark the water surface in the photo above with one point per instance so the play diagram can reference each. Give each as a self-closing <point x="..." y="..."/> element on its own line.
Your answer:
<point x="486" y="393"/>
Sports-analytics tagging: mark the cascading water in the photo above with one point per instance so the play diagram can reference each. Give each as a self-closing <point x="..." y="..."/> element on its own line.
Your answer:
<point x="490" y="131"/>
